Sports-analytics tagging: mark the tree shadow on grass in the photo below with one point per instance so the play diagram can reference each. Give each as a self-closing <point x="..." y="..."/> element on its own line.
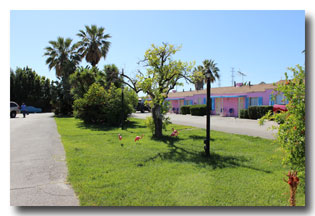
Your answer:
<point x="95" y="127"/>
<point x="103" y="127"/>
<point x="61" y="116"/>
<point x="215" y="161"/>
<point x="197" y="137"/>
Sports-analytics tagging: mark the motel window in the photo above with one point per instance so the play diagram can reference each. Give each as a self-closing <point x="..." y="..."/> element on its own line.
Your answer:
<point x="189" y="102"/>
<point x="280" y="99"/>
<point x="253" y="101"/>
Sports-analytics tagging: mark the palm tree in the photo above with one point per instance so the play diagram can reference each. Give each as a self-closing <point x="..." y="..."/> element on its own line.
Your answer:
<point x="112" y="76"/>
<point x="198" y="77"/>
<point x="62" y="56"/>
<point x="93" y="45"/>
<point x="210" y="65"/>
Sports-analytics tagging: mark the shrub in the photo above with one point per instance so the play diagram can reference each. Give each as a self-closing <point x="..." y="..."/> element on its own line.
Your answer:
<point x="150" y="123"/>
<point x="257" y="112"/>
<point x="291" y="131"/>
<point x="103" y="107"/>
<point x="244" y="113"/>
<point x="198" y="110"/>
<point x="185" y="109"/>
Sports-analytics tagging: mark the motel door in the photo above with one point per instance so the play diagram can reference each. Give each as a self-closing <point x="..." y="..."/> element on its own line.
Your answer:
<point x="217" y="106"/>
<point x="240" y="105"/>
<point x="181" y="103"/>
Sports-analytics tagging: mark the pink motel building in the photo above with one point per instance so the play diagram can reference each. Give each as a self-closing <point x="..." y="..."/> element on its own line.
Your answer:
<point x="227" y="101"/>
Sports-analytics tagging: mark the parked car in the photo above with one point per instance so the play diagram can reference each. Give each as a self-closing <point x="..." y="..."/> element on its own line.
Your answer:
<point x="14" y="109"/>
<point x="31" y="109"/>
<point x="142" y="107"/>
<point x="279" y="108"/>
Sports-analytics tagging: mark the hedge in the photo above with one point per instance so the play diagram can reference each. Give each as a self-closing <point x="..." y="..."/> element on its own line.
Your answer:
<point x="185" y="109"/>
<point x="256" y="112"/>
<point x="244" y="113"/>
<point x="198" y="110"/>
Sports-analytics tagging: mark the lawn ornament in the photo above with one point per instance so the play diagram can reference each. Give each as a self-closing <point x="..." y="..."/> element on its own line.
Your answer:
<point x="293" y="182"/>
<point x="174" y="133"/>
<point x="138" y="138"/>
<point x="119" y="137"/>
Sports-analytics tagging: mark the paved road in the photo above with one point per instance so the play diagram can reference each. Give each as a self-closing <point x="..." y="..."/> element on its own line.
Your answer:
<point x="226" y="124"/>
<point x="38" y="169"/>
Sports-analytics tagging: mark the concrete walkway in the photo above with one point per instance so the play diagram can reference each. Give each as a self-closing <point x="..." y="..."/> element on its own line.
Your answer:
<point x="38" y="168"/>
<point x="225" y="124"/>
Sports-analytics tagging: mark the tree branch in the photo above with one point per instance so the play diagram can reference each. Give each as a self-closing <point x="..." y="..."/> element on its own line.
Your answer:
<point x="187" y="79"/>
<point x="133" y="84"/>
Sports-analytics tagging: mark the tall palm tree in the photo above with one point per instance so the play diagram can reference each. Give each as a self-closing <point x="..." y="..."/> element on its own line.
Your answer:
<point x="62" y="56"/>
<point x="94" y="44"/>
<point x="210" y="65"/>
<point x="198" y="77"/>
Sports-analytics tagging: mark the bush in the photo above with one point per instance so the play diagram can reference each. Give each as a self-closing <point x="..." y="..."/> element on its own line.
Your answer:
<point x="185" y="109"/>
<point x="244" y="113"/>
<point x="198" y="110"/>
<point x="150" y="123"/>
<point x="291" y="131"/>
<point x="257" y="112"/>
<point x="103" y="107"/>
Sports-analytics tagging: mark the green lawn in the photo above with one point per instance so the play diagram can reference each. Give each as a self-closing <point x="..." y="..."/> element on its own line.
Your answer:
<point x="242" y="170"/>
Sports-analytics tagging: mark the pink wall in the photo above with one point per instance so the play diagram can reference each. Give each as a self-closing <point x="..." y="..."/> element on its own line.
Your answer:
<point x="174" y="104"/>
<point x="227" y="102"/>
<point x="230" y="103"/>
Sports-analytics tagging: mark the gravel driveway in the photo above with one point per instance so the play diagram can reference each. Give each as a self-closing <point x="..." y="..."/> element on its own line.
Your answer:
<point x="38" y="169"/>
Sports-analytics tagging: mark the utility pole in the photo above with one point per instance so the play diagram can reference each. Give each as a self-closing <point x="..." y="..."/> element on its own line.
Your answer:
<point x="122" y="99"/>
<point x="232" y="76"/>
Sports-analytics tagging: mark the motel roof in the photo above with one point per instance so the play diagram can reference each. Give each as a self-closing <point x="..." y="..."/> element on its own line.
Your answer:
<point x="227" y="90"/>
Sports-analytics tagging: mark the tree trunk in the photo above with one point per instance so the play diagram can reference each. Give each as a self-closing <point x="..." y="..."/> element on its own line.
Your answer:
<point x="157" y="118"/>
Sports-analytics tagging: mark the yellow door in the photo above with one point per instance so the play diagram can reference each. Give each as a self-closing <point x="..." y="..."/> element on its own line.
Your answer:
<point x="240" y="105"/>
<point x="217" y="106"/>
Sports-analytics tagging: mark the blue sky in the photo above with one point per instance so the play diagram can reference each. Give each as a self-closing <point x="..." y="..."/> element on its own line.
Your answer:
<point x="261" y="44"/>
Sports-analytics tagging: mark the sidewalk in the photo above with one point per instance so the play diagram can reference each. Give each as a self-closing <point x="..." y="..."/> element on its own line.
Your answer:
<point x="38" y="170"/>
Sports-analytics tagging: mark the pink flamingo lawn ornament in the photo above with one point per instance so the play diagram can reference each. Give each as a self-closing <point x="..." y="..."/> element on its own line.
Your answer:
<point x="119" y="137"/>
<point x="174" y="133"/>
<point x="138" y="138"/>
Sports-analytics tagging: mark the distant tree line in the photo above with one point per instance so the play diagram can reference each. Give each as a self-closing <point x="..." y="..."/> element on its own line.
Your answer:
<point x="26" y="86"/>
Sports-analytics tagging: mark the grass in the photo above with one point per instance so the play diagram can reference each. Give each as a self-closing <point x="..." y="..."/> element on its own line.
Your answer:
<point x="242" y="170"/>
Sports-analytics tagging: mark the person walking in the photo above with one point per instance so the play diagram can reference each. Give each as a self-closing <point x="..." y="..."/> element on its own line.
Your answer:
<point x="23" y="109"/>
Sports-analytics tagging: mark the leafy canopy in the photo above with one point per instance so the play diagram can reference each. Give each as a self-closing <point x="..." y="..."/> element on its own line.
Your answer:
<point x="163" y="73"/>
<point x="291" y="130"/>
<point x="101" y="106"/>
<point x="198" y="76"/>
<point x="62" y="56"/>
<point x="94" y="44"/>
